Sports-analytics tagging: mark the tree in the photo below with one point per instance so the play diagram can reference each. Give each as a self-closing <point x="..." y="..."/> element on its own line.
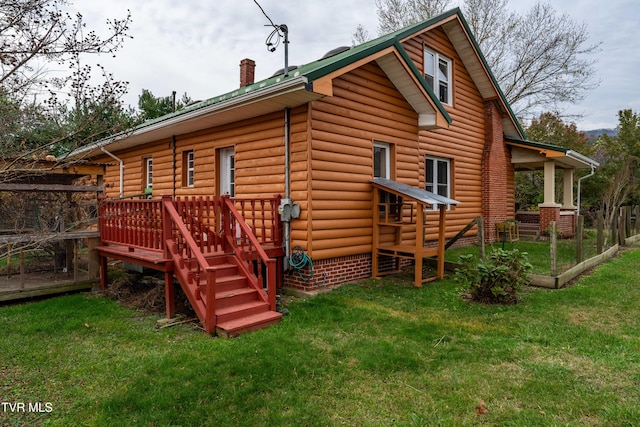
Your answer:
<point x="45" y="113"/>
<point x="153" y="107"/>
<point x="34" y="33"/>
<point x="540" y="59"/>
<point x="618" y="179"/>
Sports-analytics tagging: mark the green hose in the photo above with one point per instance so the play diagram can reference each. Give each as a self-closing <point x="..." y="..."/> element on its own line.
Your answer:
<point x="299" y="260"/>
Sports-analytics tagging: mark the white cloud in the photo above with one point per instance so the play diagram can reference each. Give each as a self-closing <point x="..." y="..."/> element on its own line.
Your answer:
<point x="195" y="46"/>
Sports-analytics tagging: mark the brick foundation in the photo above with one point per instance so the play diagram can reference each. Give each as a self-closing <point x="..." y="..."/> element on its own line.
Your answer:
<point x="337" y="270"/>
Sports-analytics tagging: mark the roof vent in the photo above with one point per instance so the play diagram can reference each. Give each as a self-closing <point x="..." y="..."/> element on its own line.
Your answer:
<point x="334" y="52"/>
<point x="281" y="70"/>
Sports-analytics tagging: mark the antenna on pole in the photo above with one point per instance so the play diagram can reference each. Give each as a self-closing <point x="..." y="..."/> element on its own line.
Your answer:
<point x="273" y="40"/>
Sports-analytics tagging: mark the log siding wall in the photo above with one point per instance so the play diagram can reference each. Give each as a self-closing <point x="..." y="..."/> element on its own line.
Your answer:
<point x="332" y="155"/>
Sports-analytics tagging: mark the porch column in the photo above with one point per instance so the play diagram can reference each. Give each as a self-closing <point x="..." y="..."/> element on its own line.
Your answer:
<point x="567" y="193"/>
<point x="549" y="185"/>
<point x="549" y="210"/>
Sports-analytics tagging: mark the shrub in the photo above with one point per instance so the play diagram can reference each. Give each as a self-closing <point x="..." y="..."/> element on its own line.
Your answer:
<point x="496" y="280"/>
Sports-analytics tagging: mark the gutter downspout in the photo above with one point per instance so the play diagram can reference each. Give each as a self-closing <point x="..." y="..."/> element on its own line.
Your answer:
<point x="287" y="184"/>
<point x="593" y="170"/>
<point x="104" y="150"/>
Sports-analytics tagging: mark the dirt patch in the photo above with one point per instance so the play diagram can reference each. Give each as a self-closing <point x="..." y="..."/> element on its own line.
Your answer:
<point x="144" y="292"/>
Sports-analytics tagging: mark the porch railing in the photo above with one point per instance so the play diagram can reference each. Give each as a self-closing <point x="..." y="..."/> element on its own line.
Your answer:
<point x="138" y="223"/>
<point x="132" y="223"/>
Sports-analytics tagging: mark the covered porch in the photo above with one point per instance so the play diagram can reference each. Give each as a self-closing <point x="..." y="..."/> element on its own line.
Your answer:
<point x="531" y="156"/>
<point x="399" y="219"/>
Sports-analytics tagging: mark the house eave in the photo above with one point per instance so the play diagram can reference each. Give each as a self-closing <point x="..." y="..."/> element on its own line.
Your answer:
<point x="290" y="93"/>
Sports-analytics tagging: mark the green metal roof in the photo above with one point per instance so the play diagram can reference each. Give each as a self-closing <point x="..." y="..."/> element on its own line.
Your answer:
<point x="322" y="67"/>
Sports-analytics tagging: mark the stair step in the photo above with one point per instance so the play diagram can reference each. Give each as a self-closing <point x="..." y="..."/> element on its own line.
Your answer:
<point x="241" y="310"/>
<point x="235" y="327"/>
<point x="225" y="283"/>
<point x="235" y="297"/>
<point x="225" y="269"/>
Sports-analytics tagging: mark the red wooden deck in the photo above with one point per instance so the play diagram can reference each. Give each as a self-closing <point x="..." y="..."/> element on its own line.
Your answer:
<point x="192" y="238"/>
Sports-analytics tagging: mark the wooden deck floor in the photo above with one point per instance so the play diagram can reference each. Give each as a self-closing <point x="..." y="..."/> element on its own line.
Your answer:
<point x="40" y="284"/>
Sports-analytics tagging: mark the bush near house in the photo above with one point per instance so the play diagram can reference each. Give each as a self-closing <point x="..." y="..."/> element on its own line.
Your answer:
<point x="498" y="279"/>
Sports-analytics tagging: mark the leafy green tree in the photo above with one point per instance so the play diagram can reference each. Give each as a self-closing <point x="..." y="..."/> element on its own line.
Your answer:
<point x="153" y="107"/>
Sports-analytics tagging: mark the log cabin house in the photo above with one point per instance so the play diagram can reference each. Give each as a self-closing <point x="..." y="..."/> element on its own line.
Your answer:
<point x="371" y="154"/>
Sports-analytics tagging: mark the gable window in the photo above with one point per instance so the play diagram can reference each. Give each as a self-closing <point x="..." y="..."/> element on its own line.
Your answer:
<point x="438" y="176"/>
<point x="188" y="168"/>
<point x="381" y="160"/>
<point x="148" y="173"/>
<point x="437" y="73"/>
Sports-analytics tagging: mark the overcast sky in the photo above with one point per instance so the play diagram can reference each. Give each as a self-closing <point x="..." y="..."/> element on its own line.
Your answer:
<point x="195" y="46"/>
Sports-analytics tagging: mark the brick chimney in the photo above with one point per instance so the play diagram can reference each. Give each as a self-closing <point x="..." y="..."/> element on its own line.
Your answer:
<point x="247" y="72"/>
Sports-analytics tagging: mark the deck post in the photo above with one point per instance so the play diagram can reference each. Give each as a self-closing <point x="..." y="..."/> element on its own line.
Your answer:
<point x="419" y="244"/>
<point x="441" y="235"/>
<point x="103" y="272"/>
<point x="271" y="283"/>
<point x="170" y="294"/>
<point x="376" y="231"/>
<point x="169" y="287"/>
<point x="166" y="227"/>
<point x="210" y="309"/>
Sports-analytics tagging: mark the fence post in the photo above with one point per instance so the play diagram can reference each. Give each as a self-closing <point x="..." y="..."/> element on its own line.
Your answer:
<point x="166" y="227"/>
<point x="579" y="242"/>
<point x="622" y="232"/>
<point x="600" y="238"/>
<point x="553" y="248"/>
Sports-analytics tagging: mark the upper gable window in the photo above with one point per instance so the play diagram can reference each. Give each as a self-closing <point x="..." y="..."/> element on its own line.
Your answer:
<point x="437" y="73"/>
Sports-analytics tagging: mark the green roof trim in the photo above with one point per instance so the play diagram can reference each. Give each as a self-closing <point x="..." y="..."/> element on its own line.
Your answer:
<point x="322" y="67"/>
<point x="540" y="145"/>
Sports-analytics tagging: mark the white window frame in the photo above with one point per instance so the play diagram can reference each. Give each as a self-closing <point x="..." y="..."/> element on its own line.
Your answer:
<point x="190" y="165"/>
<point x="148" y="162"/>
<point x="434" y="77"/>
<point x="387" y="159"/>
<point x="434" y="185"/>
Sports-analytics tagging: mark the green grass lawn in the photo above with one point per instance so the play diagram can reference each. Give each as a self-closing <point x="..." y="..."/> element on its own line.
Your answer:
<point x="375" y="353"/>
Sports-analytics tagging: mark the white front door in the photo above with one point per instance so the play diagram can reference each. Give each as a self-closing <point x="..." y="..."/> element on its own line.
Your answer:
<point x="227" y="171"/>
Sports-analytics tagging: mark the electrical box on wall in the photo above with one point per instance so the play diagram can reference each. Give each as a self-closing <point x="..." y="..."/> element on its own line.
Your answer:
<point x="288" y="210"/>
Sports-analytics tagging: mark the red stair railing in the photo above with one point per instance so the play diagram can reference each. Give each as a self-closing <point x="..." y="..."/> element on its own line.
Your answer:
<point x="190" y="264"/>
<point x="248" y="249"/>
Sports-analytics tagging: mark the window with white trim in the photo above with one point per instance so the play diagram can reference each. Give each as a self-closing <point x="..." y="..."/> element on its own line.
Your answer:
<point x="148" y="172"/>
<point x="188" y="168"/>
<point x="381" y="160"/>
<point x="437" y="73"/>
<point x="438" y="176"/>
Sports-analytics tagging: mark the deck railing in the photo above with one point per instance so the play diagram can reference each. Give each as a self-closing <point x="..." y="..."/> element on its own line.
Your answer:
<point x="138" y="223"/>
<point x="132" y="223"/>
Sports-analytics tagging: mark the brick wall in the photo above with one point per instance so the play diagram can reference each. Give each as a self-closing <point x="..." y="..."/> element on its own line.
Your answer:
<point x="548" y="214"/>
<point x="495" y="200"/>
<point x="337" y="270"/>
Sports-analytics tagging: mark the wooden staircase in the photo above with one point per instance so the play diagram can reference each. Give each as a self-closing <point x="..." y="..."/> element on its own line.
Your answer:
<point x="208" y="244"/>
<point x="239" y="307"/>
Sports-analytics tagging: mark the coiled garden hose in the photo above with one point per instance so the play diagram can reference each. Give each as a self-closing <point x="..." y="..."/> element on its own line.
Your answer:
<point x="299" y="260"/>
